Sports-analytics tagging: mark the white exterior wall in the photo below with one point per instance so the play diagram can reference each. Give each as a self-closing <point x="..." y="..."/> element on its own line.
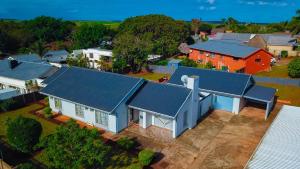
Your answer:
<point x="236" y="105"/>
<point x="13" y="83"/>
<point x="97" y="54"/>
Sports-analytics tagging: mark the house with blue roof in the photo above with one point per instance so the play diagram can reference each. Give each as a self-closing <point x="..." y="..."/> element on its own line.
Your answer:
<point x="56" y="57"/>
<point x="113" y="102"/>
<point x="25" y="73"/>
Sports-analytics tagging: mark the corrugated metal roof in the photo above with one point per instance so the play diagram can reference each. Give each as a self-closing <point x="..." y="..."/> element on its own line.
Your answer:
<point x="280" y="146"/>
<point x="242" y="37"/>
<point x="56" y="56"/>
<point x="260" y="93"/>
<point x="164" y="99"/>
<point x="225" y="48"/>
<point x="216" y="81"/>
<point x="97" y="89"/>
<point x="27" y="58"/>
<point x="24" y="70"/>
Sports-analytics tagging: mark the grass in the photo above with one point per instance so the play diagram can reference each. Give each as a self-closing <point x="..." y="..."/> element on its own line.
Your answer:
<point x="277" y="71"/>
<point x="110" y="24"/>
<point x="150" y="76"/>
<point x="289" y="93"/>
<point x="48" y="127"/>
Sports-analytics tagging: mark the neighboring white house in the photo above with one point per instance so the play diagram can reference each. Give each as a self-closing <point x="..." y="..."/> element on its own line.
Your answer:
<point x="95" y="55"/>
<point x="25" y="76"/>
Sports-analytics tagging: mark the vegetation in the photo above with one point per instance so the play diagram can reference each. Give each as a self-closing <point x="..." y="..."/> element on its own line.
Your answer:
<point x="145" y="157"/>
<point x="126" y="143"/>
<point x="79" y="61"/>
<point x="188" y="62"/>
<point x="150" y="76"/>
<point x="23" y="133"/>
<point x="284" y="54"/>
<point x="209" y="65"/>
<point x="151" y="34"/>
<point x="294" y="68"/>
<point x="286" y="92"/>
<point x="74" y="147"/>
<point x="47" y="112"/>
<point x="25" y="166"/>
<point x="163" y="62"/>
<point x="135" y="166"/>
<point x="9" y="104"/>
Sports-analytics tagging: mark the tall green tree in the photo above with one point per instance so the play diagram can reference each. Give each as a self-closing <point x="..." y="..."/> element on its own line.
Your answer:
<point x="72" y="147"/>
<point x="294" y="25"/>
<point x="89" y="35"/>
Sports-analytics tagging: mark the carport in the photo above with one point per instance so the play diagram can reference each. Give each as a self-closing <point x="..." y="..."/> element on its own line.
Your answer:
<point x="264" y="95"/>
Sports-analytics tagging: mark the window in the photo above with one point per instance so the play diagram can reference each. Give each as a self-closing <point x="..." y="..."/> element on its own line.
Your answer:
<point x="101" y="118"/>
<point x="57" y="103"/>
<point x="79" y="111"/>
<point x="212" y="55"/>
<point x="91" y="55"/>
<point x="201" y="52"/>
<point x="258" y="60"/>
<point x="236" y="59"/>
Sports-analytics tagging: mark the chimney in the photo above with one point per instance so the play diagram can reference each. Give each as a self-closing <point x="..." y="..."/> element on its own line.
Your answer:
<point x="12" y="63"/>
<point x="192" y="82"/>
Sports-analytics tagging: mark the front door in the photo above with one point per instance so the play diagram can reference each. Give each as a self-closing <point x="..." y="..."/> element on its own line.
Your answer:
<point x="133" y="116"/>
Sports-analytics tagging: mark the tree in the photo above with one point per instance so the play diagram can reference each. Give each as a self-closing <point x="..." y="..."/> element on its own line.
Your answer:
<point x="195" y="25"/>
<point x="133" y="49"/>
<point x="89" y="35"/>
<point x="294" y="25"/>
<point x="72" y="147"/>
<point x="23" y="133"/>
<point x="294" y="68"/>
<point x="188" y="62"/>
<point x="79" y="61"/>
<point x="39" y="47"/>
<point x="25" y="166"/>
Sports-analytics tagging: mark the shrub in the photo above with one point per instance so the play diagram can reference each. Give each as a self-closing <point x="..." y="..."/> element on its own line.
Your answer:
<point x="135" y="166"/>
<point x="161" y="62"/>
<point x="47" y="112"/>
<point x="188" y="62"/>
<point x="25" y="166"/>
<point x="46" y="99"/>
<point x="145" y="157"/>
<point x="126" y="143"/>
<point x="294" y="68"/>
<point x="23" y="133"/>
<point x="209" y="65"/>
<point x="284" y="53"/>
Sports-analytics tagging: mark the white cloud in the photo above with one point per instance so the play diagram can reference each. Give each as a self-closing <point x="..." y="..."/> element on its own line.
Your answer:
<point x="265" y="2"/>
<point x="211" y="1"/>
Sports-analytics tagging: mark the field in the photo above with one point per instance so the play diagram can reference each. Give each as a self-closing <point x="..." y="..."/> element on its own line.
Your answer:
<point x="111" y="24"/>
<point x="277" y="71"/>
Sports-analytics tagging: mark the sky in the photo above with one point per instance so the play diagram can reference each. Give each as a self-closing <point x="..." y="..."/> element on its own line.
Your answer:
<point x="262" y="11"/>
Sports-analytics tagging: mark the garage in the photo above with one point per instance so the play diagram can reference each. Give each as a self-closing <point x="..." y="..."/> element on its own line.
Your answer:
<point x="223" y="103"/>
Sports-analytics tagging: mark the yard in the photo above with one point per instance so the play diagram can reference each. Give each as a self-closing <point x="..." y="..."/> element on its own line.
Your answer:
<point x="285" y="92"/>
<point x="280" y="69"/>
<point x="120" y="159"/>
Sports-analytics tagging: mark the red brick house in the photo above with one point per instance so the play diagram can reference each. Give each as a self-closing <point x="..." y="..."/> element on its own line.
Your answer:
<point x="231" y="56"/>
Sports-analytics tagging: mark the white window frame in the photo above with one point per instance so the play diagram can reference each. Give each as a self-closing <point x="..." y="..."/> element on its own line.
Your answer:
<point x="101" y="118"/>
<point x="57" y="103"/>
<point x="79" y="111"/>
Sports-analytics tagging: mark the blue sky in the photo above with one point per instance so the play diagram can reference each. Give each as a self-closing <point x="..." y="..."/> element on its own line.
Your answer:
<point x="243" y="10"/>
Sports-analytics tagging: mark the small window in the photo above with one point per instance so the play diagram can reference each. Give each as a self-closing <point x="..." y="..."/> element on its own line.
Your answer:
<point x="57" y="103"/>
<point x="258" y="60"/>
<point x="86" y="108"/>
<point x="79" y="111"/>
<point x="236" y="59"/>
<point x="91" y="55"/>
<point x="201" y="52"/>
<point x="92" y="109"/>
<point x="101" y="118"/>
<point x="212" y="55"/>
<point x="51" y="98"/>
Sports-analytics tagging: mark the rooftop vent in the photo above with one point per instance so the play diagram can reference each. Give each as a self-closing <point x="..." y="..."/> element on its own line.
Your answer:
<point x="12" y="63"/>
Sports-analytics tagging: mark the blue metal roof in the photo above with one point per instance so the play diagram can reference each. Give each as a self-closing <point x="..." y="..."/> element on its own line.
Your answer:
<point x="215" y="81"/>
<point x="260" y="93"/>
<point x="100" y="90"/>
<point x="225" y="48"/>
<point x="24" y="70"/>
<point x="163" y="99"/>
<point x="55" y="75"/>
<point x="56" y="56"/>
<point x="28" y="58"/>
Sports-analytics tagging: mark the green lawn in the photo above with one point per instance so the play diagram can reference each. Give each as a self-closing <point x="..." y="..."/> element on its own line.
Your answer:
<point x="290" y="93"/>
<point x="48" y="127"/>
<point x="111" y="24"/>
<point x="277" y="71"/>
<point x="150" y="76"/>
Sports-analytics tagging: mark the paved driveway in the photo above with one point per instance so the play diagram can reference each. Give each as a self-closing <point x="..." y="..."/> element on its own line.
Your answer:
<point x="222" y="140"/>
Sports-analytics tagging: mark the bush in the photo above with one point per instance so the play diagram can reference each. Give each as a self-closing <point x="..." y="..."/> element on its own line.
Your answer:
<point x="209" y="65"/>
<point x="188" y="62"/>
<point x="284" y="53"/>
<point x="294" y="68"/>
<point x="145" y="157"/>
<point x="48" y="112"/>
<point x="135" y="166"/>
<point x="46" y="100"/>
<point x="9" y="104"/>
<point x="23" y="133"/>
<point x="161" y="63"/>
<point x="126" y="143"/>
<point x="25" y="166"/>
